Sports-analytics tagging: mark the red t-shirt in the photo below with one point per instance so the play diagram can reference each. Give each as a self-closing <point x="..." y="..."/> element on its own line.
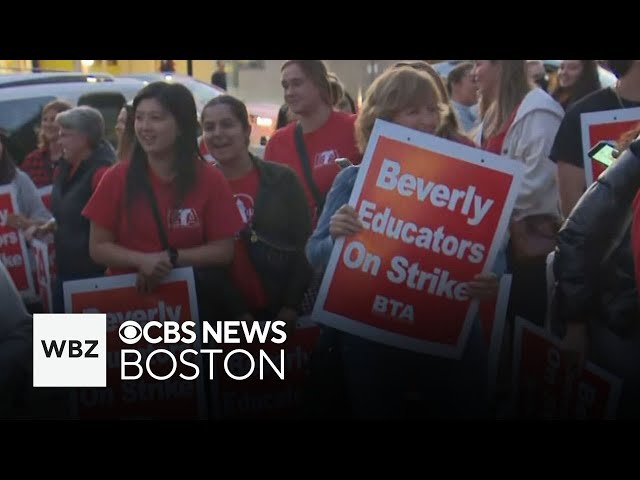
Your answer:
<point x="244" y="274"/>
<point x="207" y="213"/>
<point x="494" y="144"/>
<point x="334" y="139"/>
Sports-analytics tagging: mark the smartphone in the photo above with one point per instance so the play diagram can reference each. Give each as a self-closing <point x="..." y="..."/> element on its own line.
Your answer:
<point x="604" y="152"/>
<point x="343" y="162"/>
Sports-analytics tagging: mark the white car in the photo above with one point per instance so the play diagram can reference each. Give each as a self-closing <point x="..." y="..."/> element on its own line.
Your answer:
<point x="22" y="97"/>
<point x="202" y="92"/>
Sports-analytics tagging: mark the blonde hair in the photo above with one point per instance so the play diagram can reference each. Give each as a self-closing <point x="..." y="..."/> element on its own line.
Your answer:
<point x="513" y="86"/>
<point x="57" y="106"/>
<point x="393" y="91"/>
<point x="449" y="127"/>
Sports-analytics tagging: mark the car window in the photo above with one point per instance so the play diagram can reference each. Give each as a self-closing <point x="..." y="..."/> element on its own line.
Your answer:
<point x="20" y="119"/>
<point x="15" y="113"/>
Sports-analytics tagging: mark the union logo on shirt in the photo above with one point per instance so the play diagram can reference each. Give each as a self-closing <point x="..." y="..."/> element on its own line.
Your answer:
<point x="183" y="218"/>
<point x="323" y="158"/>
<point x="244" y="203"/>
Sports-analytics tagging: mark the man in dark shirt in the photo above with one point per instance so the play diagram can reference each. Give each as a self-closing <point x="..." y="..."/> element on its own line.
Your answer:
<point x="219" y="77"/>
<point x="567" y="151"/>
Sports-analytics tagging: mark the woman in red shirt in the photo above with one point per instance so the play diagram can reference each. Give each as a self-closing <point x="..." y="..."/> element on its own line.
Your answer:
<point x="193" y="198"/>
<point x="273" y="207"/>
<point x="320" y="133"/>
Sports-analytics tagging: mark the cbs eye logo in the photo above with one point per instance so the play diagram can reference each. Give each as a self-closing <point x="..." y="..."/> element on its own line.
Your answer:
<point x="130" y="332"/>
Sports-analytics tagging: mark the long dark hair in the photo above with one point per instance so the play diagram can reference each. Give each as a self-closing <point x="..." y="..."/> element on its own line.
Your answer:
<point x="587" y="82"/>
<point x="7" y="165"/>
<point x="179" y="102"/>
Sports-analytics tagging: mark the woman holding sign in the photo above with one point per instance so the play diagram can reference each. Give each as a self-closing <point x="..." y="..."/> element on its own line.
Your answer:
<point x="86" y="156"/>
<point x="30" y="209"/>
<point x="166" y="207"/>
<point x="384" y="381"/>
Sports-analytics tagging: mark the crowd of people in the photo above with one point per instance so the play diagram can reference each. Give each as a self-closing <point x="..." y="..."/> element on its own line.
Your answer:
<point x="116" y="211"/>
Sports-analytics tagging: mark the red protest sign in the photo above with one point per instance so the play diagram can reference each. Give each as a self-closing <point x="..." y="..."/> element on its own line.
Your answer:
<point x="434" y="214"/>
<point x="270" y="397"/>
<point x="13" y="248"/>
<point x="43" y="273"/>
<point x="545" y="387"/>
<point x="147" y="397"/>
<point x="609" y="126"/>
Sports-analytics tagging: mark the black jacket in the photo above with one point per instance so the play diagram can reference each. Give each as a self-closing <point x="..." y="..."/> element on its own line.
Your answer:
<point x="593" y="265"/>
<point x="68" y="198"/>
<point x="281" y="217"/>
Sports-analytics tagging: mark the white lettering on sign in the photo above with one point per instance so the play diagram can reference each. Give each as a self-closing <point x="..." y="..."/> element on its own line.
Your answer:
<point x="436" y="282"/>
<point x="11" y="261"/>
<point x="474" y="207"/>
<point x="436" y="240"/>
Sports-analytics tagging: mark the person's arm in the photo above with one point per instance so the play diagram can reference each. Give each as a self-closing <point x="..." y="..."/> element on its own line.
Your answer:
<point x="320" y="243"/>
<point x="104" y="250"/>
<point x="571" y="184"/>
<point x="30" y="203"/>
<point x="216" y="252"/>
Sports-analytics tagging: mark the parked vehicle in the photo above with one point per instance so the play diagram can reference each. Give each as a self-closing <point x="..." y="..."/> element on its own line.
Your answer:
<point x="22" y="97"/>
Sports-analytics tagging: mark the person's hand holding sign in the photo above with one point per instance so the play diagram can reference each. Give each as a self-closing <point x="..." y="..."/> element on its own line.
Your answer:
<point x="344" y="222"/>
<point x="484" y="286"/>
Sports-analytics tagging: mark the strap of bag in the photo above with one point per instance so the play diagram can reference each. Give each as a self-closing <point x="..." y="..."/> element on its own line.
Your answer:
<point x="306" y="167"/>
<point x="156" y="213"/>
